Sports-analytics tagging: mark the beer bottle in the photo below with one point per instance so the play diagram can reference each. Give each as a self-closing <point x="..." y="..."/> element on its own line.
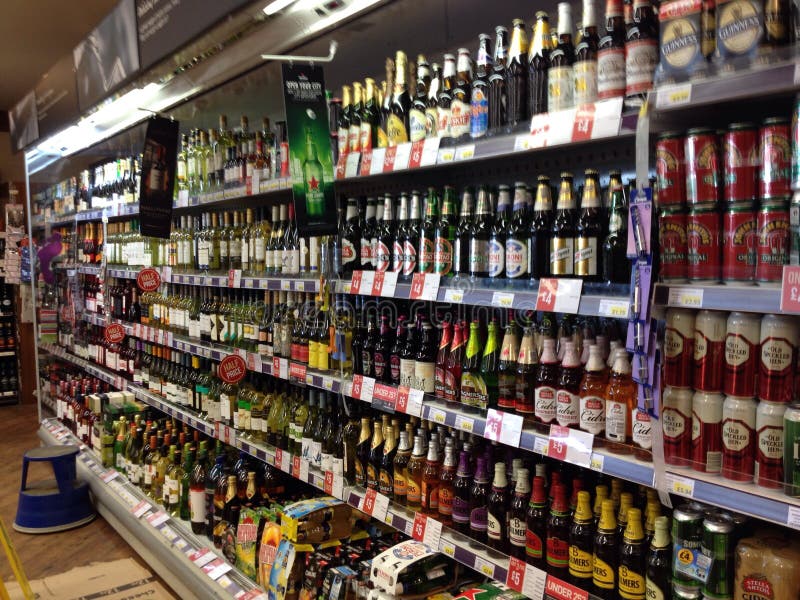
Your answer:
<point x="386" y="472"/>
<point x="354" y="137"/>
<point x="593" y="385"/>
<point x="563" y="230"/>
<point x="430" y="481"/>
<point x="397" y="349"/>
<point x="411" y="238"/>
<point x="658" y="581"/>
<point x="540" y="231"/>
<point x="343" y="125"/>
<point x="460" y="107"/>
<point x="497" y="519"/>
<point x="461" y="494"/>
<point x="641" y="53"/>
<point x="652" y="512"/>
<point x="517" y="76"/>
<point x="633" y="559"/>
<point x="444" y="99"/>
<point x="397" y="121"/>
<point x="497" y="79"/>
<point x="620" y="398"/>
<point x="416" y="115"/>
<point x="569" y="381"/>
<point x="524" y="400"/>
<point x="625" y="504"/>
<point x="400" y="234"/>
<point x="368" y="349"/>
<point x="445" y="235"/>
<point x="777" y="20"/>
<point x="497" y="237"/>
<point x="414" y="475"/>
<point x="558" y="526"/>
<point x="479" y="236"/>
<point x="478" y="503"/>
<point x="507" y="370"/>
<point x="536" y="519"/>
<point x="370" y="117"/>
<point x="432" y="103"/>
<point x="517" y="515"/>
<point x="351" y="239"/>
<point x="473" y="388"/>
<point x="546" y="382"/>
<point x="585" y="67"/>
<point x="616" y="266"/>
<point x="517" y="241"/>
<point x="452" y="372"/>
<point x="605" y="557"/>
<point x="375" y="455"/>
<point x="600" y="494"/>
<point x="560" y="78"/>
<point x="425" y="361"/>
<point x="408" y="356"/>
<point x="400" y="469"/>
<point x="588" y="229"/>
<point x="462" y="235"/>
<point x="375" y="231"/>
<point x="385" y="231"/>
<point x="447" y="476"/>
<point x="489" y="366"/>
<point x="368" y="226"/>
<point x="382" y="351"/>
<point x="611" y="54"/>
<point x="539" y="65"/>
<point x="386" y="105"/>
<point x="427" y="235"/>
<point x="479" y="99"/>
<point x="441" y="358"/>
<point x="581" y="542"/>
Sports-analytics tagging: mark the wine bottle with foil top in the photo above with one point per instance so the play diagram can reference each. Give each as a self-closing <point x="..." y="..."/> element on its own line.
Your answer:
<point x="416" y="114"/>
<point x="497" y="79"/>
<point x="539" y="64"/>
<point x="507" y="369"/>
<point x="497" y="513"/>
<point x="397" y="120"/>
<point x="517" y="76"/>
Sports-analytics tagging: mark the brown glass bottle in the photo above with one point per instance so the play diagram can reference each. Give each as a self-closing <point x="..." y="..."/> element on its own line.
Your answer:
<point x="386" y="473"/>
<point x="632" y="559"/>
<point x="375" y="453"/>
<point x="517" y="515"/>
<point x="539" y="64"/>
<point x="536" y="519"/>
<point x="447" y="477"/>
<point x="362" y="452"/>
<point x="414" y="475"/>
<point x="605" y="554"/>
<point x="517" y="76"/>
<point x="507" y="369"/>
<point x="611" y="54"/>
<point x="497" y="518"/>
<point x="546" y="383"/>
<point x="497" y="80"/>
<point x="568" y="388"/>
<point x="540" y="231"/>
<point x="524" y="389"/>
<point x="658" y="582"/>
<point x="562" y="242"/>
<point x="588" y="232"/>
<point x="581" y="542"/>
<point x="430" y="481"/>
<point x="401" y="458"/>
<point x="558" y="525"/>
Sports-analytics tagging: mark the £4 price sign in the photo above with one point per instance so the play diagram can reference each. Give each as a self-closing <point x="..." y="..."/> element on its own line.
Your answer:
<point x="584" y="123"/>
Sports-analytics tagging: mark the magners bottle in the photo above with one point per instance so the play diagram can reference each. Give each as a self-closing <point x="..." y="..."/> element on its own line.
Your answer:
<point x="632" y="559"/>
<point x="581" y="542"/>
<point x="605" y="554"/>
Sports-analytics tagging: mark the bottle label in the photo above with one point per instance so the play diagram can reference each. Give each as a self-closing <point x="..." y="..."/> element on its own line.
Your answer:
<point x="197" y="505"/>
<point x="443" y="123"/>
<point x="342" y="140"/>
<point x="516" y="258"/>
<point x="652" y="591"/>
<point x="416" y="124"/>
<point x="478" y="256"/>
<point x="561" y="255"/>
<point x="431" y="122"/>
<point x="497" y="255"/>
<point x="430" y="496"/>
<point x="396" y="130"/>
<point x="593" y="414"/>
<point x="516" y="532"/>
<point x="478" y="518"/>
<point x="585" y="75"/>
<point x="560" y="84"/>
<point x="173" y="490"/>
<point x="460" y="118"/>
<point x="407" y="372"/>
<point x="365" y="140"/>
<point x="385" y="483"/>
<point x="394" y="368"/>
<point x="586" y="256"/>
<point x="631" y="584"/>
<point x="460" y="510"/>
<point x="397" y="256"/>
<point x="409" y="258"/>
<point x="383" y="139"/>
<point x="545" y="404"/>
<point x="557" y="552"/>
<point x="480" y="112"/>
<point x="424" y="377"/>
<point x="414" y="492"/>
<point x="380" y="365"/>
<point x="493" y="527"/>
<point x="148" y="475"/>
<point x="361" y="478"/>
<point x="567" y="408"/>
<point x="426" y="259"/>
<point x="507" y="389"/>
<point x="640" y="65"/>
<point x="473" y="390"/>
<point x="522" y="402"/>
<point x="580" y="563"/>
<point x="641" y="430"/>
<point x="443" y="256"/>
<point x="383" y="257"/>
<point x="348" y="251"/>
<point x="399" y="484"/>
<point x="602" y="573"/>
<point x="610" y="72"/>
<point x="372" y="477"/>
<point x="354" y="138"/>
<point x="366" y="253"/>
<point x="445" y="501"/>
<point x="616" y="421"/>
<point x="534" y="548"/>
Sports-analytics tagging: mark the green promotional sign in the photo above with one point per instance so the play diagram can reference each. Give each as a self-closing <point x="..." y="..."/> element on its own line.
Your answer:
<point x="310" y="157"/>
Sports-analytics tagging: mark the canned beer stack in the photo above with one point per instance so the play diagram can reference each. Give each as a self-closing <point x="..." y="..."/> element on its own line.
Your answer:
<point x="729" y="379"/>
<point x="723" y="202"/>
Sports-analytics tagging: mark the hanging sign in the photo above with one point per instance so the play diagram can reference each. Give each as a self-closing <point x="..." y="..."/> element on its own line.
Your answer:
<point x="232" y="369"/>
<point x="115" y="333"/>
<point x="159" y="161"/>
<point x="148" y="280"/>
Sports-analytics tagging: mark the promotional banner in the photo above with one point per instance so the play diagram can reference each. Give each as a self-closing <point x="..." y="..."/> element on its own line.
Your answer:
<point x="57" y="97"/>
<point x="310" y="158"/>
<point x="159" y="160"/>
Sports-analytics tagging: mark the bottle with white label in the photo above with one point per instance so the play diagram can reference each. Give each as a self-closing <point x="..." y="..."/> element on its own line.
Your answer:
<point x="620" y="399"/>
<point x="585" y="67"/>
<point x="546" y="381"/>
<point x="569" y="382"/>
<point x="593" y="385"/>
<point x="560" y="78"/>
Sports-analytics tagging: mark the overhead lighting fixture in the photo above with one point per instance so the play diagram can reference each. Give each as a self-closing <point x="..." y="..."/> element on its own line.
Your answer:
<point x="340" y="15"/>
<point x="276" y="6"/>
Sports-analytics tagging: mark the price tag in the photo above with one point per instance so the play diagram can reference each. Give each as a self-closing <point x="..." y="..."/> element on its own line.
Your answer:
<point x="297" y="372"/>
<point x="584" y="123"/>
<point x="158" y="518"/>
<point x="503" y="299"/>
<point x="503" y="427"/>
<point x="351" y="166"/>
<point x="428" y="531"/>
<point x="484" y="566"/>
<point x="618" y="309"/>
<point x="367" y="281"/>
<point x="366" y="163"/>
<point x="561" y="124"/>
<point x="688" y="297"/>
<point x="607" y="118"/>
<point x="596" y="462"/>
<point x="790" y="289"/>
<point x="217" y="568"/>
<point x="333" y="485"/>
<point x="385" y="396"/>
<point x="559" y="295"/>
<point x="415" y="159"/>
<point x="516" y="574"/>
<point x="363" y="388"/>
<point x="296" y="460"/>
<point x="677" y="484"/>
<point x="570" y="445"/>
<point x="286" y="285"/>
<point x="327" y="383"/>
<point x="388" y="159"/>
<point x="385" y="283"/>
<point x="235" y="278"/>
<point x="465" y="152"/>
<point x="793" y="518"/>
<point x="465" y="423"/>
<point x="438" y="416"/>
<point x="522" y="142"/>
<point x="447" y="548"/>
<point x="374" y="504"/>
<point x="430" y="152"/>
<point x="254" y="362"/>
<point x="110" y="475"/>
<point x="409" y="401"/>
<point x="693" y="563"/>
<point x="340" y="166"/>
<point x="674" y="95"/>
<point x="141" y="508"/>
<point x="283" y="369"/>
<point x="378" y="155"/>
<point x="402" y="156"/>
<point x="534" y="582"/>
<point x="202" y="557"/>
<point x="561" y="590"/>
<point x="445" y="155"/>
<point x="283" y="460"/>
<point x="540" y="131"/>
<point x="355" y="282"/>
<point x="454" y="295"/>
<point x="425" y="286"/>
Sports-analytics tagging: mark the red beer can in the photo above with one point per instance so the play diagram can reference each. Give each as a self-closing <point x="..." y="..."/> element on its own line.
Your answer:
<point x="702" y="166"/>
<point x="672" y="243"/>
<point x="709" y="350"/>
<point x="740" y="148"/>
<point x="772" y="251"/>
<point x="742" y="354"/>
<point x="707" y="432"/>
<point x="777" y="359"/>
<point x="776" y="160"/>
<point x="679" y="347"/>
<point x="703" y="245"/>
<point x="738" y="438"/>
<point x="739" y="241"/>
<point x="670" y="170"/>
<point x="769" y="444"/>
<point x="676" y="420"/>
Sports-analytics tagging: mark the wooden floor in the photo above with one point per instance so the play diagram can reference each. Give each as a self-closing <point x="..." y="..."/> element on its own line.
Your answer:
<point x="43" y="555"/>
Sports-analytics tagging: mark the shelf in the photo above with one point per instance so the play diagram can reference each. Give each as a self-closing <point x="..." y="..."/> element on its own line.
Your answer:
<point x="300" y="283"/>
<point x="728" y="297"/>
<point x="168" y="544"/>
<point x="117" y="210"/>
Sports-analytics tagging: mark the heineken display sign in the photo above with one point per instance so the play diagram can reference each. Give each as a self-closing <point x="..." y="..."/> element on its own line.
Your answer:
<point x="310" y="159"/>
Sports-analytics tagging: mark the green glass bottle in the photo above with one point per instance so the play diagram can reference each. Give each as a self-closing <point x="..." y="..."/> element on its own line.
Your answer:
<point x="313" y="180"/>
<point x="427" y="237"/>
<point x="445" y="234"/>
<point x="473" y="388"/>
<point x="490" y="364"/>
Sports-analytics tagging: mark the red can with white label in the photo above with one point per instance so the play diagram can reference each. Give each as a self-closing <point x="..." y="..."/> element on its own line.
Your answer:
<point x="776" y="159"/>
<point x="772" y="251"/>
<point x="739" y="243"/>
<point x="676" y="423"/>
<point x="709" y="350"/>
<point x="778" y="357"/>
<point x="672" y="243"/>
<point x="707" y="431"/>
<point x="703" y="245"/>
<point x="769" y="444"/>
<point x="670" y="170"/>
<point x="740" y="149"/>
<point x="702" y="166"/>
<point x="738" y="438"/>
<point x="679" y="347"/>
<point x="741" y="354"/>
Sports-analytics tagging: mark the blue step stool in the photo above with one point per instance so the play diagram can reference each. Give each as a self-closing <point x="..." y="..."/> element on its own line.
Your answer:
<point x="53" y="504"/>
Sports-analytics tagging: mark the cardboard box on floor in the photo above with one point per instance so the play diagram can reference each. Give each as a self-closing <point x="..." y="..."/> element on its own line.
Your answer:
<point x="117" y="580"/>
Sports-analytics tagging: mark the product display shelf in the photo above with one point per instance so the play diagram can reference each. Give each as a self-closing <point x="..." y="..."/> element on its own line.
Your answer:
<point x="128" y="209"/>
<point x="165" y="543"/>
<point x="300" y="283"/>
<point x="747" y="298"/>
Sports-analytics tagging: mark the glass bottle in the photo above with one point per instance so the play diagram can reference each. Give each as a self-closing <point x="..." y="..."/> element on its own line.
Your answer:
<point x="540" y="231"/>
<point x="197" y="492"/>
<point x="490" y="363"/>
<point x="592" y="393"/>
<point x="447" y="477"/>
<point x="605" y="555"/>
<point x="416" y="115"/>
<point x="539" y="64"/>
<point x="536" y="518"/>
<point x="632" y="559"/>
<point x="478" y="502"/>
<point x="621" y="400"/>
<point x="427" y="234"/>
<point x="558" y="526"/>
<point x="444" y="235"/>
<point x="442" y="358"/>
<point x="588" y="229"/>
<point x="658" y="582"/>
<point x="616" y="267"/>
<point x="498" y="233"/>
<point x="444" y="97"/>
<point x="526" y="372"/>
<point x="362" y="453"/>
<point x="516" y="259"/>
<point x="386" y="471"/>
<point x="460" y="105"/>
<point x="414" y="475"/>
<point x="641" y="53"/>
<point x="611" y="54"/>
<point x="478" y="262"/>
<point x="560" y="77"/>
<point x="452" y="368"/>
<point x="585" y="67"/>
<point x="497" y="513"/>
<point x="480" y="92"/>
<point x="546" y="384"/>
<point x="507" y="369"/>
<point x="461" y="494"/>
<point x="517" y="76"/>
<point x="569" y="381"/>
<point x="430" y="482"/>
<point x="497" y="79"/>
<point x="463" y="233"/>
<point x="401" y="460"/>
<point x="562" y="242"/>
<point x="581" y="542"/>
<point x="397" y="122"/>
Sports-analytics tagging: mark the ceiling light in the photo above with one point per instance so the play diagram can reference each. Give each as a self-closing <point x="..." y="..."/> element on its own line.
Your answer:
<point x="276" y="6"/>
<point x="341" y="14"/>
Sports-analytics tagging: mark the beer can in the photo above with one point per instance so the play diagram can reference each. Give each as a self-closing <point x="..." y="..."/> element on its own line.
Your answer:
<point x="738" y="438"/>
<point x="769" y="444"/>
<point x="670" y="169"/>
<point x="743" y="333"/>
<point x="772" y="251"/>
<point x="794" y="230"/>
<point x="672" y="243"/>
<point x="778" y="357"/>
<point x="703" y="245"/>
<point x="718" y="545"/>
<point x="739" y="241"/>
<point x="776" y="159"/>
<point x="709" y="350"/>
<point x="679" y="347"/>
<point x="791" y="451"/>
<point x="702" y="166"/>
<point x="740" y="149"/>
<point x="676" y="422"/>
<point x="707" y="431"/>
<point x="687" y="533"/>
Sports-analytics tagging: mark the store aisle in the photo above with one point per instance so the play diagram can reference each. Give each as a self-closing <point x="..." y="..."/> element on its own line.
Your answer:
<point x="45" y="555"/>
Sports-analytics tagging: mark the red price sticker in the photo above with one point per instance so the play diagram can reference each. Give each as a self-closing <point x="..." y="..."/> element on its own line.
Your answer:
<point x="570" y="445"/>
<point x="559" y="295"/>
<point x="366" y="163"/>
<point x="385" y="283"/>
<point x="355" y="282"/>
<point x="425" y="286"/>
<point x="375" y="504"/>
<point x="418" y="529"/>
<point x="388" y="159"/>
<point x="327" y="485"/>
<point x="561" y="590"/>
<point x="368" y="502"/>
<point x="356" y="389"/>
<point x="584" y="123"/>
<point x="296" y="467"/>
<point x="546" y="297"/>
<point x="148" y="280"/>
<point x="415" y="160"/>
<point x="297" y="371"/>
<point x="540" y="131"/>
<point x="232" y="369"/>
<point x="516" y="574"/>
<point x="790" y="289"/>
<point x="341" y="165"/>
<point x="279" y="458"/>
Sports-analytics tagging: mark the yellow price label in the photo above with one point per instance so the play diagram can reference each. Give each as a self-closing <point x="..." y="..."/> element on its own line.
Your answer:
<point x="596" y="462"/>
<point x="685" y="556"/>
<point x="682" y="486"/>
<point x="679" y="96"/>
<point x="449" y="550"/>
<point x="389" y="518"/>
<point x="346" y="288"/>
<point x="484" y="566"/>
<point x="327" y="383"/>
<point x="465" y="424"/>
<point x="439" y="416"/>
<point x="466" y="152"/>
